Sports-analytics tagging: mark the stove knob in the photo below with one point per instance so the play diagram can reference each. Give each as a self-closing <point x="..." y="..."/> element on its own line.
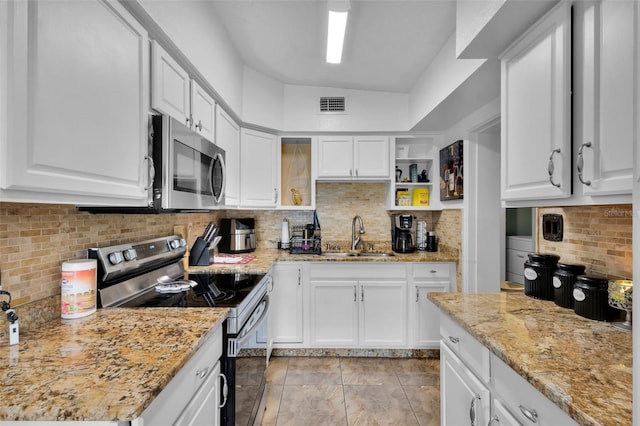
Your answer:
<point x="174" y="244"/>
<point x="130" y="254"/>
<point x="183" y="242"/>
<point x="115" y="257"/>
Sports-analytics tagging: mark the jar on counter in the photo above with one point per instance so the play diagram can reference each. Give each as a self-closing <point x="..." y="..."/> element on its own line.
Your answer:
<point x="564" y="278"/>
<point x="590" y="296"/>
<point x="538" y="275"/>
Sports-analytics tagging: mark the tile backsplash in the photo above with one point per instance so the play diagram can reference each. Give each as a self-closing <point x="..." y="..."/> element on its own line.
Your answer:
<point x="35" y="239"/>
<point x="598" y="237"/>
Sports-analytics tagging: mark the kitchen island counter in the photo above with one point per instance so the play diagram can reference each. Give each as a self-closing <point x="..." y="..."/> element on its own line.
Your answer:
<point x="264" y="258"/>
<point x="104" y="367"/>
<point x="583" y="366"/>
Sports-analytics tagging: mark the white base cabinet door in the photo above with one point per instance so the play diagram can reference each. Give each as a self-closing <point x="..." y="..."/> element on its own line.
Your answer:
<point x="383" y="314"/>
<point x="204" y="408"/>
<point x="334" y="313"/>
<point x="426" y="315"/>
<point x="464" y="399"/>
<point x="286" y="298"/>
<point x="77" y="103"/>
<point x="536" y="111"/>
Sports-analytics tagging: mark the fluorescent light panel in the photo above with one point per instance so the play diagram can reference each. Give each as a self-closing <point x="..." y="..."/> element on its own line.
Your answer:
<point x="335" y="36"/>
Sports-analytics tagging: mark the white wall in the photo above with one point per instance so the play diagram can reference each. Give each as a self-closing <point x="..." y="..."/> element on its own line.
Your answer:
<point x="366" y="110"/>
<point x="439" y="80"/>
<point x="263" y="100"/>
<point x="198" y="33"/>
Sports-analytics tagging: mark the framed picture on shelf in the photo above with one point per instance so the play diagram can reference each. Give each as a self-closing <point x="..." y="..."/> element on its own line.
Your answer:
<point x="451" y="172"/>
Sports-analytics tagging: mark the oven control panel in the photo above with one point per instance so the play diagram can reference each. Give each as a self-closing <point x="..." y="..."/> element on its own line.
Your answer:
<point x="119" y="260"/>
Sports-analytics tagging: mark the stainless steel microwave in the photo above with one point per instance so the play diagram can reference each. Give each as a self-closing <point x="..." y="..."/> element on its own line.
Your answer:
<point x="189" y="169"/>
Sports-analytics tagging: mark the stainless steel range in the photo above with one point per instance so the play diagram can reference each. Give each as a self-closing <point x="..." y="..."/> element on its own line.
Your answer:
<point x="150" y="273"/>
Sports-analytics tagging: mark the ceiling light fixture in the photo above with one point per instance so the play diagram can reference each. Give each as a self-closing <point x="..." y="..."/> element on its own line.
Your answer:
<point x="335" y="32"/>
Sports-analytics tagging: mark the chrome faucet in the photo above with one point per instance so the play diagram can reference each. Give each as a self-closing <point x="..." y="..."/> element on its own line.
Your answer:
<point x="355" y="239"/>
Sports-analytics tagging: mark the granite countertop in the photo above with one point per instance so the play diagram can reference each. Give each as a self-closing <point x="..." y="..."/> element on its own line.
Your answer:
<point x="583" y="366"/>
<point x="264" y="257"/>
<point x="106" y="366"/>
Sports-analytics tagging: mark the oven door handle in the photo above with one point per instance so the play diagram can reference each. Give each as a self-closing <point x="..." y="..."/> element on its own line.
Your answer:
<point x="245" y="334"/>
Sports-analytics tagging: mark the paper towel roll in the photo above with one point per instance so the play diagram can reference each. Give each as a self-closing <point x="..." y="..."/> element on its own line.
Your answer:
<point x="78" y="287"/>
<point x="284" y="239"/>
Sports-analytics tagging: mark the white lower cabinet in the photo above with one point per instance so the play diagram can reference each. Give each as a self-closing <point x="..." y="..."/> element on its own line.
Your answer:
<point x="424" y="315"/>
<point x="464" y="400"/>
<point x="287" y="307"/>
<point x="192" y="397"/>
<point x="358" y="305"/>
<point x="478" y="388"/>
<point x="526" y="403"/>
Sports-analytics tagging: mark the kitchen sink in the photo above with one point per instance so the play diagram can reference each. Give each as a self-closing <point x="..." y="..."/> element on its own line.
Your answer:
<point x="351" y="254"/>
<point x="339" y="254"/>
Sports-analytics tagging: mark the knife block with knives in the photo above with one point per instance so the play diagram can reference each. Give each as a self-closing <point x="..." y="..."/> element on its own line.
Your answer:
<point x="200" y="254"/>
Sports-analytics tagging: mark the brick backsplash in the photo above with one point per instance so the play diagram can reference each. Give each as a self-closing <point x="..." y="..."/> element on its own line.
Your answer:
<point x="598" y="237"/>
<point x="35" y="239"/>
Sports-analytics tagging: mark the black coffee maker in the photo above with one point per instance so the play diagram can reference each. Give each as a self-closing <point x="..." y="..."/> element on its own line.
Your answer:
<point x="403" y="233"/>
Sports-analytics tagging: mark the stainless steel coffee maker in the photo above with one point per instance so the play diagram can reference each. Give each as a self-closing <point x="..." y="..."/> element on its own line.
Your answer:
<point x="403" y="233"/>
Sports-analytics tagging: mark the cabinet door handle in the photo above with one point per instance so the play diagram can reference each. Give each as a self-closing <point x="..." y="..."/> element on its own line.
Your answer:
<point x="225" y="390"/>
<point x="454" y="339"/>
<point x="580" y="164"/>
<point x="356" y="172"/>
<point x="187" y="120"/>
<point x="299" y="276"/>
<point x="350" y="172"/>
<point x="275" y="198"/>
<point x="417" y="294"/>
<point x="472" y="409"/>
<point x="550" y="167"/>
<point x="494" y="419"/>
<point x="532" y="415"/>
<point x="362" y="294"/>
<point x="355" y="294"/>
<point x="201" y="374"/>
<point x="199" y="125"/>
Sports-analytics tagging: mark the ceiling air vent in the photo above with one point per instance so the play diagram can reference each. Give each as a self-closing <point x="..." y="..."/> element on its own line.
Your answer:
<point x="330" y="104"/>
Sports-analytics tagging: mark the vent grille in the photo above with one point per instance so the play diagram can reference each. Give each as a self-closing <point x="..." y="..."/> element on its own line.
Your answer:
<point x="332" y="104"/>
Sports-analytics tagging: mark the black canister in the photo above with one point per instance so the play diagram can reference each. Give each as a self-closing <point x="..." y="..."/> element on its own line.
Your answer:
<point x="590" y="298"/>
<point x="564" y="278"/>
<point x="538" y="275"/>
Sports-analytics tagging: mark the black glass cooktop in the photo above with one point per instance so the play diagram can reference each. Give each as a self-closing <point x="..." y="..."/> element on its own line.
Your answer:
<point x="221" y="290"/>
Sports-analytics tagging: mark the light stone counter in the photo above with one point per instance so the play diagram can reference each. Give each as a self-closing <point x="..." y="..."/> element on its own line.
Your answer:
<point x="107" y="366"/>
<point x="265" y="257"/>
<point x="583" y="366"/>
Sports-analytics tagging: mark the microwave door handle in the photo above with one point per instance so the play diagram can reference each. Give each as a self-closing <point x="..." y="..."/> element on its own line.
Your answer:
<point x="218" y="157"/>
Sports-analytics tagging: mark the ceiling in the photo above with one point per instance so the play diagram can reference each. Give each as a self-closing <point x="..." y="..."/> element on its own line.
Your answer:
<point x="388" y="43"/>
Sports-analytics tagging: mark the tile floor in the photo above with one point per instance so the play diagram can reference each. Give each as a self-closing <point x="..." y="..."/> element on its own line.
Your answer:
<point x="352" y="391"/>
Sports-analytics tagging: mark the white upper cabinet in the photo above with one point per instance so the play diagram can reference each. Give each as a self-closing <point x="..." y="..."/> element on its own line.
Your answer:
<point x="604" y="160"/>
<point x="76" y="103"/>
<point x="349" y="157"/>
<point x="203" y="111"/>
<point x="536" y="111"/>
<point x="259" y="153"/>
<point x="169" y="86"/>
<point x="175" y="94"/>
<point x="228" y="138"/>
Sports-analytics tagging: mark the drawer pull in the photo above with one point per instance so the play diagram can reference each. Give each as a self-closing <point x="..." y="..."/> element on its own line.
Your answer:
<point x="454" y="339"/>
<point x="225" y="390"/>
<point x="433" y="271"/>
<point x="201" y="374"/>
<point x="472" y="409"/>
<point x="532" y="415"/>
